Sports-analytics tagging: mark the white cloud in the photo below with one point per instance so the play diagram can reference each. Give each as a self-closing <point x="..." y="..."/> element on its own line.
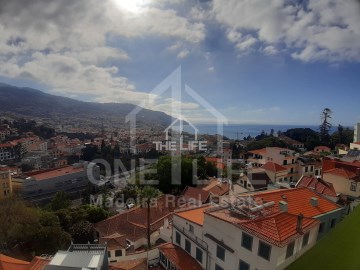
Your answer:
<point x="211" y="69"/>
<point x="183" y="53"/>
<point x="326" y="30"/>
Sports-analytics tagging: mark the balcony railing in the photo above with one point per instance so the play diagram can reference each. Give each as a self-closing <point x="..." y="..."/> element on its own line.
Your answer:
<point x="192" y="237"/>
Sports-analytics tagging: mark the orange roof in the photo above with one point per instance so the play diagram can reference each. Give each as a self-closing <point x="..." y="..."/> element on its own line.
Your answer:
<point x="298" y="200"/>
<point x="216" y="187"/>
<point x="277" y="228"/>
<point x="342" y="172"/>
<point x="179" y="258"/>
<point x="273" y="167"/>
<point x="258" y="151"/>
<point x="317" y="184"/>
<point x="195" y="215"/>
<point x="138" y="264"/>
<point x="9" y="263"/>
<point x="198" y="194"/>
<point x="43" y="175"/>
<point x="39" y="263"/>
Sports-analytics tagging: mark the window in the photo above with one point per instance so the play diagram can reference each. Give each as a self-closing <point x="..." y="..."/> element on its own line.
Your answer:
<point x="191" y="228"/>
<point x="220" y="253"/>
<point x="321" y="227"/>
<point x="290" y="250"/>
<point x="243" y="265"/>
<point x="109" y="254"/>
<point x="217" y="267"/>
<point x="246" y="241"/>
<point x="353" y="186"/>
<point x="305" y="239"/>
<point x="306" y="169"/>
<point x="118" y="253"/>
<point x="187" y="246"/>
<point x="199" y="255"/>
<point x="264" y="251"/>
<point x="178" y="238"/>
<point x="285" y="162"/>
<point x="333" y="222"/>
<point x="312" y="168"/>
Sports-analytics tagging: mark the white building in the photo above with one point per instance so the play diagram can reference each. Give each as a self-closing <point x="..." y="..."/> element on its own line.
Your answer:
<point x="237" y="237"/>
<point x="357" y="133"/>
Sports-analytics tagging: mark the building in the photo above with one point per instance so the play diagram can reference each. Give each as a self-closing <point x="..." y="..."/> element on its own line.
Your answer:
<point x="308" y="166"/>
<point x="322" y="149"/>
<point x="9" y="263"/>
<point x="41" y="186"/>
<point x="5" y="183"/>
<point x="126" y="233"/>
<point x="174" y="257"/>
<point x="242" y="237"/>
<point x="343" y="175"/>
<point x="281" y="156"/>
<point x="253" y="179"/>
<point x="277" y="173"/>
<point x="357" y="132"/>
<point x="319" y="186"/>
<point x="7" y="152"/>
<point x="80" y="257"/>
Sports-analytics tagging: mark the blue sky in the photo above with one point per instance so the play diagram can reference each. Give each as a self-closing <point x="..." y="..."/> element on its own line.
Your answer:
<point x="279" y="62"/>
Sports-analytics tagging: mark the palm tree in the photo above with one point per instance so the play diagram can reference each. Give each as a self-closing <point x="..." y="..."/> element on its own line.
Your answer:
<point x="147" y="194"/>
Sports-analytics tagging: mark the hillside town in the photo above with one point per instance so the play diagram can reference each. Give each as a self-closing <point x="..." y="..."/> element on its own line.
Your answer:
<point x="279" y="202"/>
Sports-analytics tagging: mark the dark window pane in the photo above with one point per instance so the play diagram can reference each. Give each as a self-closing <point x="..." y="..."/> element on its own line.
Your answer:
<point x="199" y="255"/>
<point x="217" y="267"/>
<point x="177" y="238"/>
<point x="306" y="239"/>
<point x="247" y="241"/>
<point x="290" y="249"/>
<point x="188" y="246"/>
<point x="244" y="266"/>
<point x="264" y="251"/>
<point x="118" y="253"/>
<point x="220" y="253"/>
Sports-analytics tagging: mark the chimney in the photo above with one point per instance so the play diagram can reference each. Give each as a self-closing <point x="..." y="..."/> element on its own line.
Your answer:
<point x="314" y="202"/>
<point x="299" y="223"/>
<point x="283" y="206"/>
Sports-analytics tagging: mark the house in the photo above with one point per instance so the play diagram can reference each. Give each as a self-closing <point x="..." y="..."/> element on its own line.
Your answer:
<point x="79" y="257"/>
<point x="343" y="175"/>
<point x="277" y="173"/>
<point x="41" y="186"/>
<point x="7" y="152"/>
<point x="9" y="263"/>
<point x="281" y="156"/>
<point x="217" y="187"/>
<point x="254" y="179"/>
<point x="319" y="185"/>
<point x="308" y="166"/>
<point x="5" y="183"/>
<point x="173" y="257"/>
<point x="307" y="202"/>
<point x="126" y="232"/>
<point x="242" y="237"/>
<point x="196" y="195"/>
<point x="135" y="264"/>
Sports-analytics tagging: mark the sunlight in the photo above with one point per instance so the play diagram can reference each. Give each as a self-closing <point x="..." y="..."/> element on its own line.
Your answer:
<point x="132" y="6"/>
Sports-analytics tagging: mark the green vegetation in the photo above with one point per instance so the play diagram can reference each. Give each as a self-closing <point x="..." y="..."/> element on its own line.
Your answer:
<point x="337" y="250"/>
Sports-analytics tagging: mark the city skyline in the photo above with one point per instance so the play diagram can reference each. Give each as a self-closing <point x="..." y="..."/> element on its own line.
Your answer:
<point x="280" y="68"/>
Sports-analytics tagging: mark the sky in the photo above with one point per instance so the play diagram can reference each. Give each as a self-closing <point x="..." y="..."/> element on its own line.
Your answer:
<point x="253" y="61"/>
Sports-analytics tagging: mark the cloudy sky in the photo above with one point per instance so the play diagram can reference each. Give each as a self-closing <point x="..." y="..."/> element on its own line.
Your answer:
<point x="254" y="61"/>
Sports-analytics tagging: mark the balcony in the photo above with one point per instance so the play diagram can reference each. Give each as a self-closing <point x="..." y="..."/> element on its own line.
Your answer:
<point x="192" y="237"/>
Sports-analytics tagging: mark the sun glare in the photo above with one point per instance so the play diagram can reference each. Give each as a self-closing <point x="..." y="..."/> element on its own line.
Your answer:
<point x="133" y="6"/>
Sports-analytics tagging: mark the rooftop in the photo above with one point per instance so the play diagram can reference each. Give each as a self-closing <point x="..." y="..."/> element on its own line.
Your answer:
<point x="273" y="167"/>
<point x="52" y="173"/>
<point x="317" y="184"/>
<point x="195" y="215"/>
<point x="136" y="264"/>
<point x="198" y="194"/>
<point x="179" y="258"/>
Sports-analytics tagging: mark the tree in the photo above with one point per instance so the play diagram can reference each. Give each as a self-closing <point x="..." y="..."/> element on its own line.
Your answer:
<point x="60" y="201"/>
<point x="82" y="232"/>
<point x="147" y="194"/>
<point x="325" y="126"/>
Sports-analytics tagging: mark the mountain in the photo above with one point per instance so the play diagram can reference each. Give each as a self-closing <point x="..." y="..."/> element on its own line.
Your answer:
<point x="35" y="103"/>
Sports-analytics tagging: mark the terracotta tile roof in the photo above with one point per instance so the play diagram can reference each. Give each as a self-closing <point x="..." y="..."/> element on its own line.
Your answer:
<point x="343" y="173"/>
<point x="136" y="264"/>
<point x="277" y="228"/>
<point x="298" y="200"/>
<point x="43" y="175"/>
<point x="179" y="258"/>
<point x="216" y="187"/>
<point x="5" y="145"/>
<point x="317" y="184"/>
<point x="273" y="167"/>
<point x="39" y="263"/>
<point x="198" y="194"/>
<point x="9" y="263"/>
<point x="131" y="224"/>
<point x="195" y="215"/>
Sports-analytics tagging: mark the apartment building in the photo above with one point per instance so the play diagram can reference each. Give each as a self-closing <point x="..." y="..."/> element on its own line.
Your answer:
<point x="41" y="186"/>
<point x="242" y="237"/>
<point x="7" y="152"/>
<point x="5" y="183"/>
